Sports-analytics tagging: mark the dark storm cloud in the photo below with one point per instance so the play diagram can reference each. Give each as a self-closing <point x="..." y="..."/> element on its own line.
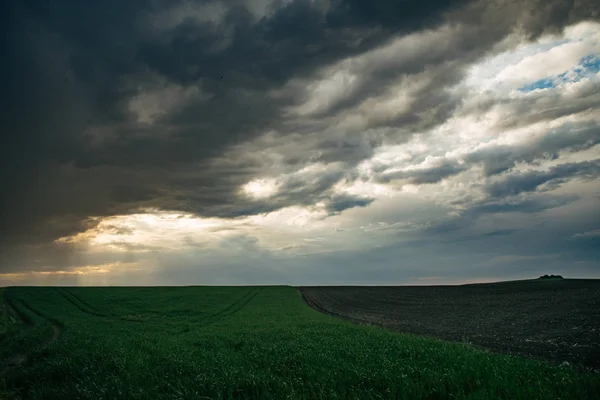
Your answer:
<point x="297" y="39"/>
<point x="74" y="65"/>
<point x="72" y="147"/>
<point x="500" y="232"/>
<point x="350" y="149"/>
<point x="341" y="203"/>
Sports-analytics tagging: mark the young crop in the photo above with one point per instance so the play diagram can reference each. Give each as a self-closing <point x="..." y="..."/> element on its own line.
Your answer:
<point x="250" y="342"/>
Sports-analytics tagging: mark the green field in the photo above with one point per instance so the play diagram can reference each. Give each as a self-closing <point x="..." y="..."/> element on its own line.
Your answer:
<point x="242" y="342"/>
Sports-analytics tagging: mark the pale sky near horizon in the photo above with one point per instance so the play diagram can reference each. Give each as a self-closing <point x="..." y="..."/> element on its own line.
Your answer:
<point x="299" y="142"/>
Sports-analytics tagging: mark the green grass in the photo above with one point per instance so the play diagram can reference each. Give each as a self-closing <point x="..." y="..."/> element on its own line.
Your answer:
<point x="249" y="342"/>
<point x="3" y="314"/>
<point x="23" y="331"/>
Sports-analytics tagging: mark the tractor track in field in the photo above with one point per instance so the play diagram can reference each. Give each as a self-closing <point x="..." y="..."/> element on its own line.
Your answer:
<point x="210" y="319"/>
<point x="18" y="359"/>
<point x="18" y="313"/>
<point x="63" y="292"/>
<point x="230" y="310"/>
<point x="85" y="303"/>
<point x="16" y="307"/>
<point x="86" y="308"/>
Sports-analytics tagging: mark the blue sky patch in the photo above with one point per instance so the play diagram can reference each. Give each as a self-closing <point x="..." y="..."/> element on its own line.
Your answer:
<point x="587" y="66"/>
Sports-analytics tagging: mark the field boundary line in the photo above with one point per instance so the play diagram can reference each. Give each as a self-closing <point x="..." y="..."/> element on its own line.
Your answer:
<point x="315" y="306"/>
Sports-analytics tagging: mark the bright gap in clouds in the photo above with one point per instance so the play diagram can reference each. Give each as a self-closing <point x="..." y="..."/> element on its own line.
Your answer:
<point x="260" y="188"/>
<point x="165" y="231"/>
<point x="147" y="230"/>
<point x="573" y="54"/>
<point x="587" y="68"/>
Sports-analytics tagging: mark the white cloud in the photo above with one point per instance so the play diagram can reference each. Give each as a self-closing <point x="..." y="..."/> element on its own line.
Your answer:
<point x="555" y="61"/>
<point x="472" y="128"/>
<point x="529" y="62"/>
<point x="589" y="234"/>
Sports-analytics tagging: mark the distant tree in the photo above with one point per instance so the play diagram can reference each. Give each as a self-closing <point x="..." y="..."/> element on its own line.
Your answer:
<point x="551" y="277"/>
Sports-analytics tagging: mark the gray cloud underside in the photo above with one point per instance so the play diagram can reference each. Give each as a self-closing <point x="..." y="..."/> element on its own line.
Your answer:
<point x="72" y="148"/>
<point x="529" y="181"/>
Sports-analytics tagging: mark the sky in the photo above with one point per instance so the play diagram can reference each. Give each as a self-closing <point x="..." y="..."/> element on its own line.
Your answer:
<point x="309" y="142"/>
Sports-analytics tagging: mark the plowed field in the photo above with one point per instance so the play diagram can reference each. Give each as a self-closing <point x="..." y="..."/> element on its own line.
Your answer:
<point x="553" y="320"/>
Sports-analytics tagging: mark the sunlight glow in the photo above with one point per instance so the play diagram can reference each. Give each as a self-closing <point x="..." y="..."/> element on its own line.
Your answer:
<point x="260" y="188"/>
<point x="146" y="231"/>
<point x="364" y="189"/>
<point x="81" y="270"/>
<point x="164" y="231"/>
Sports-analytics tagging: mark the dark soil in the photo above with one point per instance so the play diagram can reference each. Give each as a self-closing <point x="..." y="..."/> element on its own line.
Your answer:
<point x="557" y="320"/>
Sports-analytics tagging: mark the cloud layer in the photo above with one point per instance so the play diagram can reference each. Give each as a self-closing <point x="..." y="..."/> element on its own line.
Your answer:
<point x="317" y="140"/>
